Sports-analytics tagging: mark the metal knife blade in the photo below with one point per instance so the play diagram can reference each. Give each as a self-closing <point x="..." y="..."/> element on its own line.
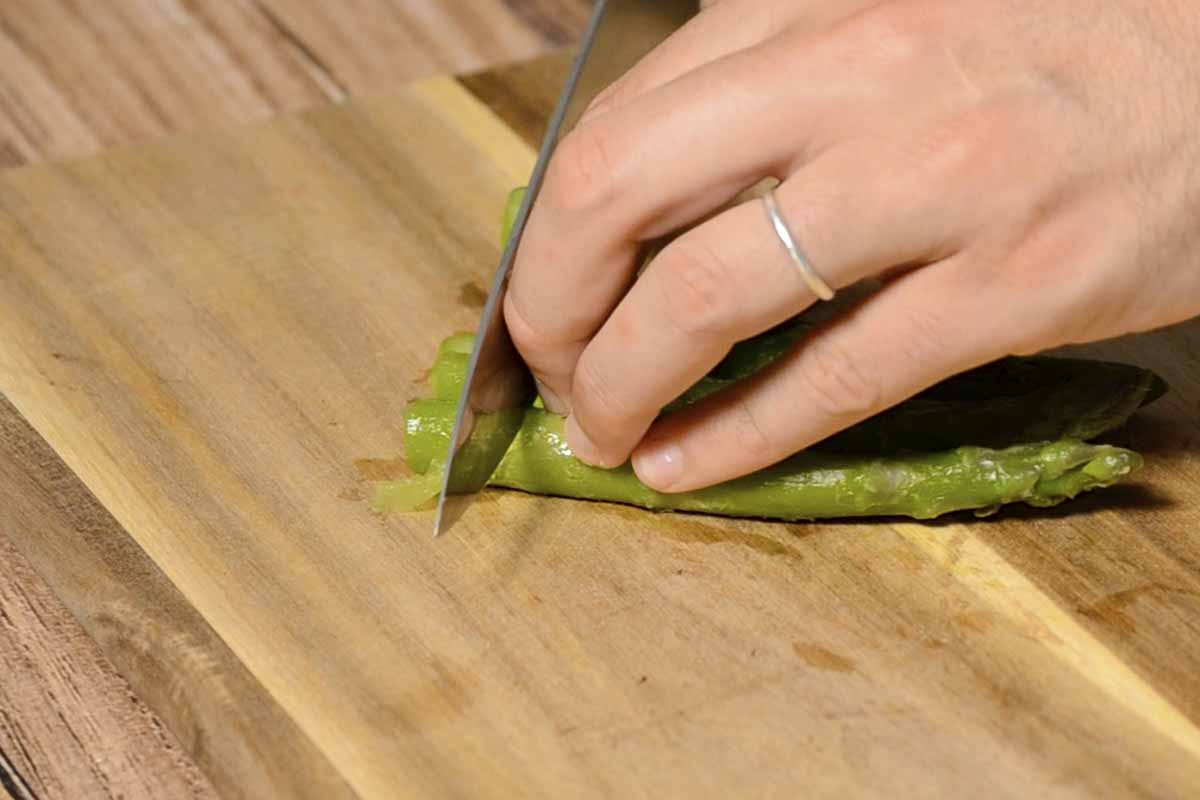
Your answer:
<point x="619" y="33"/>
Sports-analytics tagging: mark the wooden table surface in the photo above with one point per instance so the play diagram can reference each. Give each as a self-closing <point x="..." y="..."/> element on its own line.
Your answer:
<point x="77" y="78"/>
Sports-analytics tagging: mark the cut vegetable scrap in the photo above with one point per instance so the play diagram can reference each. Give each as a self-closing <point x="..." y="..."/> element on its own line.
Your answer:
<point x="416" y="493"/>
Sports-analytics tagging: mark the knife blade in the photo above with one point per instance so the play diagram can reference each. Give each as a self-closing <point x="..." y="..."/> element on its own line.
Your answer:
<point x="618" y="34"/>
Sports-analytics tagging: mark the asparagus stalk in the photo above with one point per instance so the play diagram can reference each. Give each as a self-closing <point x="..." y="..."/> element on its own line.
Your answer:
<point x="819" y="485"/>
<point x="810" y="485"/>
<point x="1074" y="395"/>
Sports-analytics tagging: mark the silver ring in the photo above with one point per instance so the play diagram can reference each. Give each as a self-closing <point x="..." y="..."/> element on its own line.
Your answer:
<point x="814" y="281"/>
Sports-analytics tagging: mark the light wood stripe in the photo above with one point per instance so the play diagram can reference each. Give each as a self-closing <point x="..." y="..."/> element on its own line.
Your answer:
<point x="1011" y="594"/>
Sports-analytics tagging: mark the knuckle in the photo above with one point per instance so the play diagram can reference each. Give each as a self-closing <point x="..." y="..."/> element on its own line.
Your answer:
<point x="532" y="340"/>
<point x="697" y="286"/>
<point x="835" y="383"/>
<point x="582" y="173"/>
<point x="524" y="335"/>
<point x="949" y="150"/>
<point x="615" y="94"/>
<point x="596" y="401"/>
<point x="891" y="34"/>
<point x="975" y="146"/>
<point x="599" y="104"/>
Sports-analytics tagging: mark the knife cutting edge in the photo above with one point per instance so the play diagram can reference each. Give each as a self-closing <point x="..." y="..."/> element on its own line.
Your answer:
<point x="618" y="34"/>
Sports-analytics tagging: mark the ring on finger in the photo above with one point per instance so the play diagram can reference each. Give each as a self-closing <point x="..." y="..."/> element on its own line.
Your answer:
<point x="812" y="279"/>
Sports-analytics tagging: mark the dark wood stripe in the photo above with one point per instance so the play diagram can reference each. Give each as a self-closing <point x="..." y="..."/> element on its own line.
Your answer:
<point x="523" y="95"/>
<point x="170" y="655"/>
<point x="558" y="23"/>
<point x="10" y="155"/>
<point x="12" y="782"/>
<point x="304" y="52"/>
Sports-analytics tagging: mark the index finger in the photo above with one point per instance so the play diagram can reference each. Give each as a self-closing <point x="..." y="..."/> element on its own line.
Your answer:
<point x="717" y="31"/>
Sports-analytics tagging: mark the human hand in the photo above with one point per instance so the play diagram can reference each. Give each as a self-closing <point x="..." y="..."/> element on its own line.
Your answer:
<point x="1023" y="174"/>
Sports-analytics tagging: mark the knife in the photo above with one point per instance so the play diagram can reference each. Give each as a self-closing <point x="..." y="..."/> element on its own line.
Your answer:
<point x="618" y="34"/>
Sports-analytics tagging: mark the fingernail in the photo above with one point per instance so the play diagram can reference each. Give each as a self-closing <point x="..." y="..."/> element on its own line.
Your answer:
<point x="582" y="445"/>
<point x="550" y="399"/>
<point x="659" y="465"/>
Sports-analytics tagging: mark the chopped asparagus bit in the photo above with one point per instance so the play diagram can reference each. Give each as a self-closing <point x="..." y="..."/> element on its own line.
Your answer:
<point x="409" y="494"/>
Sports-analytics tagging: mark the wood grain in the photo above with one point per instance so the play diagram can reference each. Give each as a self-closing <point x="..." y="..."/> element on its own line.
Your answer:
<point x="56" y="740"/>
<point x="75" y="78"/>
<point x="78" y="77"/>
<point x="147" y="629"/>
<point x="486" y="33"/>
<point x="521" y="94"/>
<point x="238" y="319"/>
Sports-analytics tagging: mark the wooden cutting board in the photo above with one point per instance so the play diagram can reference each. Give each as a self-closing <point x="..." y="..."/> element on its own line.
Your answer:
<point x="205" y="346"/>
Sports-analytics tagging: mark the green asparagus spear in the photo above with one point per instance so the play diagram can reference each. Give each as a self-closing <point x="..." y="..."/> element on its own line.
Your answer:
<point x="817" y="483"/>
<point x="449" y="371"/>
<point x="512" y="207"/>
<point x="810" y="485"/>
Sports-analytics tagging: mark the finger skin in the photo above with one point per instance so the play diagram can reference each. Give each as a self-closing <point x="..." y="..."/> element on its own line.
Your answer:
<point x="924" y="326"/>
<point x="717" y="31"/>
<point x="712" y="34"/>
